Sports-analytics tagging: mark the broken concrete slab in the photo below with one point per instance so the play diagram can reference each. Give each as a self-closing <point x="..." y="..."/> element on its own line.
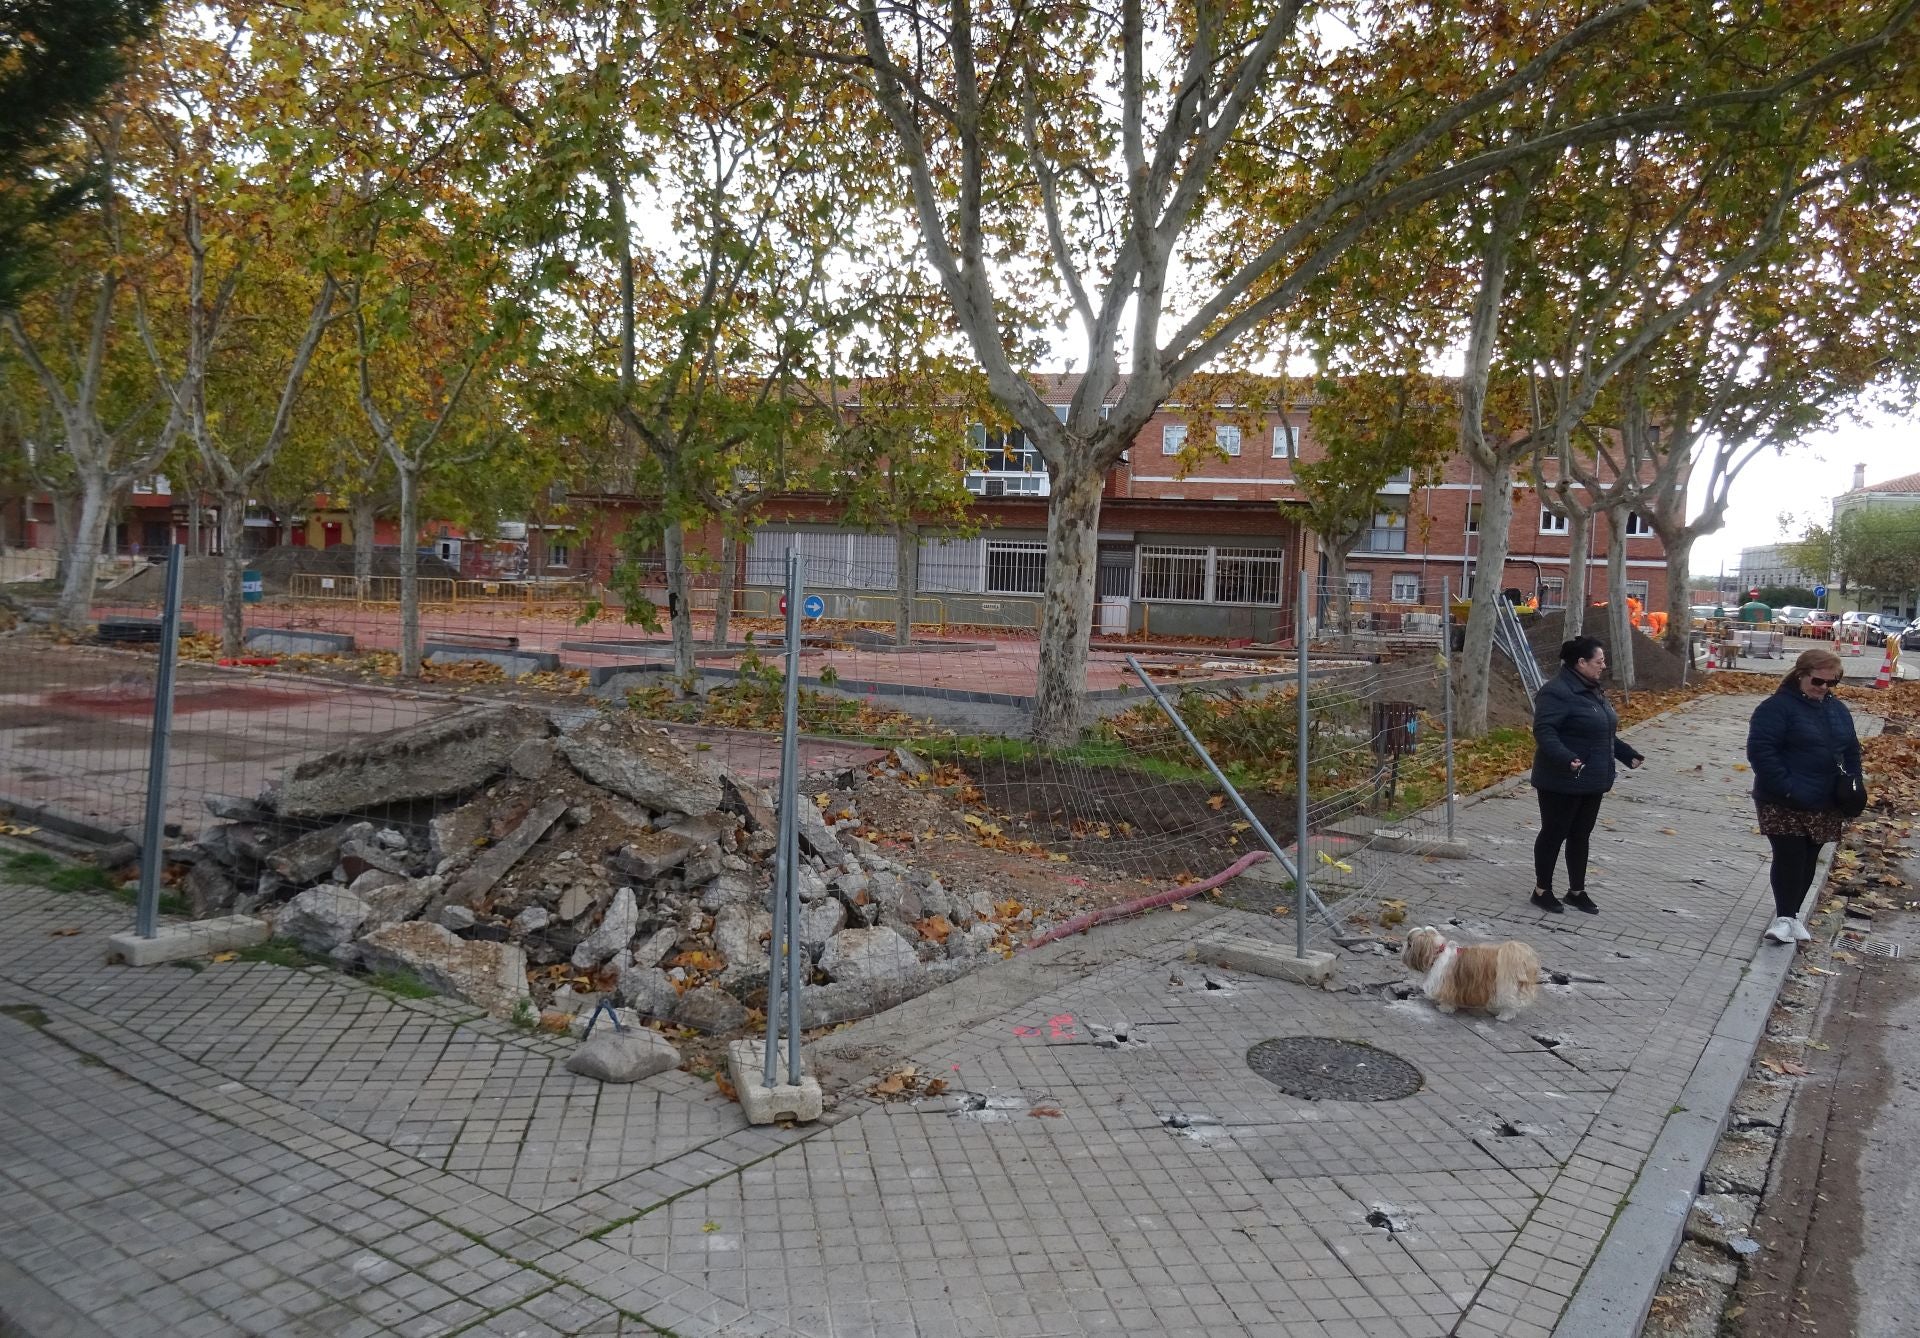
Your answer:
<point x="533" y="759"/>
<point x="492" y="864"/>
<point x="816" y="834"/>
<point x="614" y="933"/>
<point x="866" y="956"/>
<point x="457" y="833"/>
<point x="321" y="919"/>
<point x="651" y="854"/>
<point x="644" y="765"/>
<point x="649" y="992"/>
<point x="209" y="889"/>
<point x="575" y="902"/>
<point x="308" y="857"/>
<point x="426" y="761"/>
<point x="399" y="901"/>
<point x="196" y="938"/>
<point x="492" y="976"/>
<point x="751" y="802"/>
<point x="654" y="949"/>
<point x="830" y="1005"/>
<point x="1263" y="957"/>
<point x="710" y="1009"/>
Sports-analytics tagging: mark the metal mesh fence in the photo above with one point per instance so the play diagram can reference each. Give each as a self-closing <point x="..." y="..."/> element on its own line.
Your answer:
<point x="550" y="817"/>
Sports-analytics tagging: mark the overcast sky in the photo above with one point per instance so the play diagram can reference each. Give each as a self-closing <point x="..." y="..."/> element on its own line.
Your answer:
<point x="1804" y="482"/>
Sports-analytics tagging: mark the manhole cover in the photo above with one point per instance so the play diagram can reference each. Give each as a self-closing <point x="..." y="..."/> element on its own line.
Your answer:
<point x="1880" y="947"/>
<point x="1320" y="1068"/>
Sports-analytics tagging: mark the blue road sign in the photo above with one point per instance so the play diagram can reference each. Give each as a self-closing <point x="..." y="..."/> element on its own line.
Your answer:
<point x="1819" y="592"/>
<point x="814" y="606"/>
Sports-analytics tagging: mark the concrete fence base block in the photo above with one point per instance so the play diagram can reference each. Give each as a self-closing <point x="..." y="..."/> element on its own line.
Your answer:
<point x="1260" y="957"/>
<point x="289" y="641"/>
<point x="1396" y="842"/>
<point x="747" y="1066"/>
<point x="197" y="938"/>
<point x="517" y="663"/>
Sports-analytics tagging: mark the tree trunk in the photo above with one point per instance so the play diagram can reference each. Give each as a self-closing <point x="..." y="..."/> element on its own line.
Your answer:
<point x="906" y="572"/>
<point x="1339" y="594"/>
<point x="1679" y="638"/>
<point x="233" y="562"/>
<point x="193" y="524"/>
<point x="1579" y="546"/>
<point x="673" y="547"/>
<point x="66" y="524"/>
<point x="286" y="529"/>
<point x="1496" y="538"/>
<point x="1619" y="619"/>
<point x="723" y="591"/>
<point x="83" y="551"/>
<point x="362" y="516"/>
<point x="1066" y="614"/>
<point x="409" y="571"/>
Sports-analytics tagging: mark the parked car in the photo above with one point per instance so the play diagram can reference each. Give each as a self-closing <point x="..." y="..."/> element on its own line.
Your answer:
<point x="1818" y="624"/>
<point x="1910" y="636"/>
<point x="1791" y="616"/>
<point x="1874" y="626"/>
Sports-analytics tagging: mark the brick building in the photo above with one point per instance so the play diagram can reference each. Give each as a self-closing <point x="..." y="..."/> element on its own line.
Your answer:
<point x="1214" y="551"/>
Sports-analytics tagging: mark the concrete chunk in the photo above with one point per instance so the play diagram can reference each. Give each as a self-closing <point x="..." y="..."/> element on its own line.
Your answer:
<point x="494" y="862"/>
<point x="643" y="765"/>
<point x="1262" y="957"/>
<point x="428" y="760"/>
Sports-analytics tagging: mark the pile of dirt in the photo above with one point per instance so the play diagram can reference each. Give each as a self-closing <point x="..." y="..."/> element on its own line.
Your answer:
<point x="1655" y="668"/>
<point x="500" y="858"/>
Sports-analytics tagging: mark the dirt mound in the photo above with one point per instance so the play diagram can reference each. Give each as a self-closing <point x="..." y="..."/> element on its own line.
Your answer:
<point x="1655" y="668"/>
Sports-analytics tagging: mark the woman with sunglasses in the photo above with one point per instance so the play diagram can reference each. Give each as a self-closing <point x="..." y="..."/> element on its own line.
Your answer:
<point x="1799" y="740"/>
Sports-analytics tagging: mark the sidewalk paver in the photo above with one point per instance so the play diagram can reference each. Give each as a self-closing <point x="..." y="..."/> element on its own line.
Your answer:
<point x="249" y="1149"/>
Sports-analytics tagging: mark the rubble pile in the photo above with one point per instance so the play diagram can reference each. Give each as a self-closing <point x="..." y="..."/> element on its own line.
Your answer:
<point x="501" y="858"/>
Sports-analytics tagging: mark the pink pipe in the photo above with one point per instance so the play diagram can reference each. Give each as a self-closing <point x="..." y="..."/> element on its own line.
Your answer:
<point x="1080" y="923"/>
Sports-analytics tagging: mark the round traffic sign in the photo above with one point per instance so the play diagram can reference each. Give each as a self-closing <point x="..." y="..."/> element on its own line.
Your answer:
<point x="783" y="604"/>
<point x="1819" y="592"/>
<point x="814" y="606"/>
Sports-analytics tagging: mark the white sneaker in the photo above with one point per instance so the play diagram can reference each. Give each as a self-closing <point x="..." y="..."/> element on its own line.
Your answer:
<point x="1781" y="930"/>
<point x="1800" y="933"/>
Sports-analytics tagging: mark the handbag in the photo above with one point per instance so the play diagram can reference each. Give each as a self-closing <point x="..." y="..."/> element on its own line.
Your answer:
<point x="1849" y="793"/>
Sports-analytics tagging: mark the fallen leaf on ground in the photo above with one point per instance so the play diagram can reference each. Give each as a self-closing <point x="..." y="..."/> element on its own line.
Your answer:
<point x="69" y="933"/>
<point x="218" y="956"/>
<point x="1046" y="1112"/>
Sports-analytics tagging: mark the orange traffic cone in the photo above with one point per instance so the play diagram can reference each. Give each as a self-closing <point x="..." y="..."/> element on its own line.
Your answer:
<point x="1852" y="645"/>
<point x="1885" y="677"/>
<point x="1712" y="663"/>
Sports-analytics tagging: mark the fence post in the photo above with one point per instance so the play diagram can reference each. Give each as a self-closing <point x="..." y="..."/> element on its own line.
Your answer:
<point x="153" y="833"/>
<point x="1446" y="674"/>
<point x="1300" y="803"/>
<point x="783" y="967"/>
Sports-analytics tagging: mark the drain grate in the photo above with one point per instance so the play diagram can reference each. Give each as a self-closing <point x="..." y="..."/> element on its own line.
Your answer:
<point x="1322" y="1068"/>
<point x="1879" y="947"/>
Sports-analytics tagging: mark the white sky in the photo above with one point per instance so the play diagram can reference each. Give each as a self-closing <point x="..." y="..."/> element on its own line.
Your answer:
<point x="1804" y="481"/>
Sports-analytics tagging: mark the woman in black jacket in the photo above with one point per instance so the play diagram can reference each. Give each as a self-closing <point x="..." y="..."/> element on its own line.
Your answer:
<point x="1799" y="741"/>
<point x="1576" y="742"/>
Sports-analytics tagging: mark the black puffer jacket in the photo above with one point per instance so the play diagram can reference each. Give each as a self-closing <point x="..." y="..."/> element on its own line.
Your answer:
<point x="1796" y="745"/>
<point x="1572" y="718"/>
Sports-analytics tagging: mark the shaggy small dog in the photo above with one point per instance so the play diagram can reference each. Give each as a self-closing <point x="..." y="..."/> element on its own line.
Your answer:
<point x="1501" y="978"/>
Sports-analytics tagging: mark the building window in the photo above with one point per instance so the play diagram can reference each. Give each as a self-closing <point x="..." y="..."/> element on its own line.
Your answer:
<point x="1638" y="525"/>
<point x="559" y="555"/>
<point x="1637" y="590"/>
<point x="1173" y="573"/>
<point x="1286" y="441"/>
<point x="1016" y="567"/>
<point x="1406" y="587"/>
<point x="1551" y="522"/>
<point x="1247" y="576"/>
<point x="1553" y="592"/>
<point x="1227" y="438"/>
<point x="1173" y="439"/>
<point x="1388" y="534"/>
<point x="1360" y="585"/>
<point x="1473" y="517"/>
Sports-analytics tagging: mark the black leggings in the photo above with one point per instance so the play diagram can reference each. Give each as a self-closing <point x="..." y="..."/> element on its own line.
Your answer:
<point x="1794" y="858"/>
<point x="1568" y="818"/>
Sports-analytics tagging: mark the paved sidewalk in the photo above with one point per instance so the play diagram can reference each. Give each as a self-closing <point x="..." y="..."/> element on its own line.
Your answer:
<point x="249" y="1149"/>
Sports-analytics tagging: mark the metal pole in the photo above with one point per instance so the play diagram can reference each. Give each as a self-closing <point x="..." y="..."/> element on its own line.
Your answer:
<point x="1301" y="829"/>
<point x="790" y="798"/>
<point x="786" y="844"/>
<point x="154" y="833"/>
<point x="1446" y="673"/>
<point x="1200" y="751"/>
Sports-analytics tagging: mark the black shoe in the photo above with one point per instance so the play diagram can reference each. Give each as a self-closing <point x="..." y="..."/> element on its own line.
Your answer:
<point x="1547" y="902"/>
<point x="1580" y="901"/>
